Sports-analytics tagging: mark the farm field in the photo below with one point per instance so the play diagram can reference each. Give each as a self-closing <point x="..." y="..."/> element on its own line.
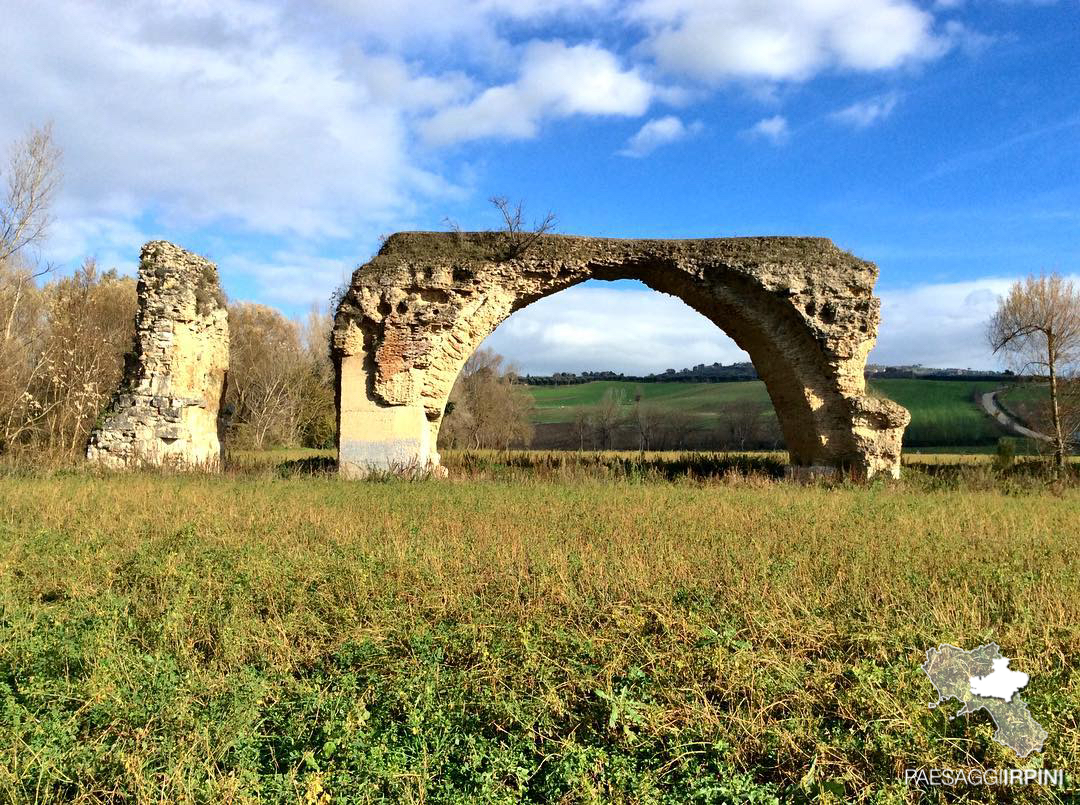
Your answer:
<point x="1027" y="393"/>
<point x="1027" y="402"/>
<point x="518" y="636"/>
<point x="943" y="412"/>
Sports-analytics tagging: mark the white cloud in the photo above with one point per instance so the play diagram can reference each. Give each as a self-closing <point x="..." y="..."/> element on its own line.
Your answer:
<point x="291" y="279"/>
<point x="863" y="114"/>
<point x="784" y="40"/>
<point x="210" y="113"/>
<point x="638" y="331"/>
<point x="969" y="41"/>
<point x="470" y="28"/>
<point x="939" y="324"/>
<point x="595" y="327"/>
<point x="658" y="132"/>
<point x="556" y="80"/>
<point x="774" y="129"/>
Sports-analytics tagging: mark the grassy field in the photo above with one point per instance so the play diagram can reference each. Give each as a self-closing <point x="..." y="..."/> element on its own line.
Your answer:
<point x="559" y="403"/>
<point x="1028" y="402"/>
<point x="570" y="638"/>
<point x="943" y="412"/>
<point x="1027" y="392"/>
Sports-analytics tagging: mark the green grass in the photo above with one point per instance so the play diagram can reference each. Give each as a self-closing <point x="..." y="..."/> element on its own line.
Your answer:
<point x="1028" y="402"/>
<point x="559" y="403"/>
<point x="1026" y="393"/>
<point x="243" y="638"/>
<point x="972" y="450"/>
<point x="943" y="412"/>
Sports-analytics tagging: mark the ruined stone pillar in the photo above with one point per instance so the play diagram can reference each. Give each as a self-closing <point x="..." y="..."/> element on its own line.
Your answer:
<point x="167" y="411"/>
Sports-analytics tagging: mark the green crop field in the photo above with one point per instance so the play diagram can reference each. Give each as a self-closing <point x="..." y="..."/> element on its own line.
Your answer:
<point x="943" y="412"/>
<point x="514" y="636"/>
<point x="560" y="403"/>
<point x="1027" y="393"/>
<point x="1029" y="403"/>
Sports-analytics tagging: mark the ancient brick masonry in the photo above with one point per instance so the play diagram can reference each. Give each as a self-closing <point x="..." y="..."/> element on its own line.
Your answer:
<point x="803" y="309"/>
<point x="167" y="410"/>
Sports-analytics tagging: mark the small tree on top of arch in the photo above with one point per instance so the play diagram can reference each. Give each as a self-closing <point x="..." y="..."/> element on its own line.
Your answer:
<point x="519" y="238"/>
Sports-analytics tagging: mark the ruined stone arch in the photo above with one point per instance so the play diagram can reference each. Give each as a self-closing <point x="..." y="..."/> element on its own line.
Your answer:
<point x="803" y="310"/>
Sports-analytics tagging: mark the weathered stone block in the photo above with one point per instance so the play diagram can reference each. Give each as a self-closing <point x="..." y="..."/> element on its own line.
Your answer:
<point x="167" y="409"/>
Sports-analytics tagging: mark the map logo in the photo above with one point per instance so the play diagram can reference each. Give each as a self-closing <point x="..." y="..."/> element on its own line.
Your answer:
<point x="981" y="679"/>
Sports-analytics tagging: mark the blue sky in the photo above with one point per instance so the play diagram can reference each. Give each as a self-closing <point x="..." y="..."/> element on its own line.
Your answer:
<point x="939" y="139"/>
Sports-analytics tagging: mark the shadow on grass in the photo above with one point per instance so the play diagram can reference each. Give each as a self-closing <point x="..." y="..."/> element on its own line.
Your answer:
<point x="307" y="467"/>
<point x="612" y="465"/>
<point x="1028" y="474"/>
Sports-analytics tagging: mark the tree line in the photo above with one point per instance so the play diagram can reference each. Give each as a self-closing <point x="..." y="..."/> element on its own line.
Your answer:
<point x="63" y="350"/>
<point x="64" y="340"/>
<point x="621" y="421"/>
<point x="488" y="407"/>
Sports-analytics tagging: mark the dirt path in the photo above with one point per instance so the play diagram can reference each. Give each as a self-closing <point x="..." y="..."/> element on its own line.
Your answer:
<point x="990" y="405"/>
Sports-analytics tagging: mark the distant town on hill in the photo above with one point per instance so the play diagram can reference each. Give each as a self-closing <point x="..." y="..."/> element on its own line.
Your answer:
<point x="721" y="373"/>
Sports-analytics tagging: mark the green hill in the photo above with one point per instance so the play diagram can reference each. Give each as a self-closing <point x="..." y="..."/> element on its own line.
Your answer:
<point x="943" y="412"/>
<point x="556" y="404"/>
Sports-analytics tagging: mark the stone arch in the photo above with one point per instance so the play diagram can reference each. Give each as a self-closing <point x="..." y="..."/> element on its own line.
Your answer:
<point x="803" y="310"/>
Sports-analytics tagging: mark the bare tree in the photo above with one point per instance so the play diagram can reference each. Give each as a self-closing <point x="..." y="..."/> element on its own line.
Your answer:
<point x="647" y="418"/>
<point x="675" y="429"/>
<point x="90" y="331"/>
<point x="33" y="176"/>
<point x="23" y="357"/>
<point x="488" y="407"/>
<point x="32" y="179"/>
<point x="454" y="227"/>
<point x="583" y="425"/>
<point x="316" y="413"/>
<point x="607" y="416"/>
<point x="1037" y="326"/>
<point x="64" y="358"/>
<point x="266" y="371"/>
<point x="742" y="423"/>
<point x="519" y="238"/>
<point x="1037" y="413"/>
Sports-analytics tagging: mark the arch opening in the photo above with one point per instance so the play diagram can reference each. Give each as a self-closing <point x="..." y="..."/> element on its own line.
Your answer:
<point x="802" y="309"/>
<point x="602" y="365"/>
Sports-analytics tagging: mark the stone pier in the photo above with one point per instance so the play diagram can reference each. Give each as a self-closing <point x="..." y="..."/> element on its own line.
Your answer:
<point x="167" y="411"/>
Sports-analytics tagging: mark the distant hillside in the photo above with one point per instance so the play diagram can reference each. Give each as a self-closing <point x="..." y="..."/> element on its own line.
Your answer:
<point x="721" y="373"/>
<point x="944" y="413"/>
